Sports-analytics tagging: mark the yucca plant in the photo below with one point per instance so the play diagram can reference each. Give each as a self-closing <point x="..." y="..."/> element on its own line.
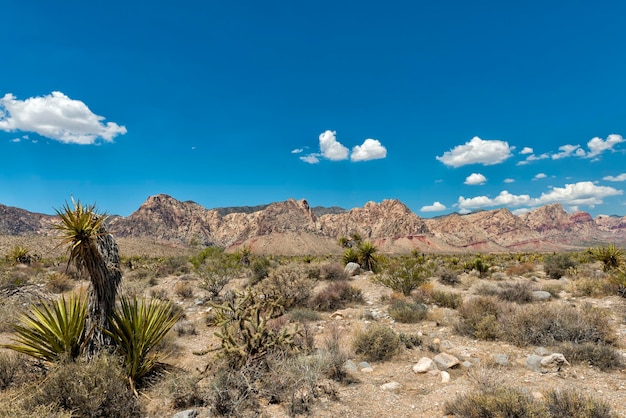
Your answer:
<point x="19" y="254"/>
<point x="350" y="256"/>
<point x="366" y="251"/>
<point x="137" y="327"/>
<point x="52" y="330"/>
<point x="92" y="249"/>
<point x="611" y="256"/>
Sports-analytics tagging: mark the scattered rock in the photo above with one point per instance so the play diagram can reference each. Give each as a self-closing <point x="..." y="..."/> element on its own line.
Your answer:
<point x="352" y="269"/>
<point x="554" y="360"/>
<point x="541" y="295"/>
<point x="350" y="366"/>
<point x="541" y="351"/>
<point x="423" y="365"/>
<point x="189" y="413"/>
<point x="445" y="377"/>
<point x="446" y="345"/>
<point x="467" y="364"/>
<point x="336" y="315"/>
<point x="391" y="386"/>
<point x="501" y="359"/>
<point x="533" y="362"/>
<point x="446" y="361"/>
<point x="365" y="367"/>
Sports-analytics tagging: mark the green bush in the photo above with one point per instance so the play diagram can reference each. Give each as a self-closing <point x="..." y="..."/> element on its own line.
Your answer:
<point x="479" y="318"/>
<point x="557" y="265"/>
<point x="445" y="299"/>
<point x="376" y="343"/>
<point x="405" y="274"/>
<point x="407" y="312"/>
<point x="519" y="292"/>
<point x="502" y="402"/>
<point x="288" y="285"/>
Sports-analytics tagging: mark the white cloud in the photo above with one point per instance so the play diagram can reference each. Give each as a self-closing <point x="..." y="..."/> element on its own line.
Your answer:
<point x="567" y="151"/>
<point x="57" y="117"/>
<point x="371" y="149"/>
<point x="597" y="145"/>
<point x="477" y="151"/>
<point x="297" y="150"/>
<point x="621" y="177"/>
<point x="509" y="180"/>
<point x="583" y="193"/>
<point x="539" y="176"/>
<point x="526" y="150"/>
<point x="311" y="158"/>
<point x="331" y="148"/>
<point x="435" y="207"/>
<point x="520" y="211"/>
<point x="475" y="179"/>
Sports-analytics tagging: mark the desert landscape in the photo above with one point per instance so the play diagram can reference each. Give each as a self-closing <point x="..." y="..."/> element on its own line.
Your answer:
<point x="276" y="311"/>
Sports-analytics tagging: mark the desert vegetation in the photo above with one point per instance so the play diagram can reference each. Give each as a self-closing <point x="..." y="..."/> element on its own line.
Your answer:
<point x="234" y="333"/>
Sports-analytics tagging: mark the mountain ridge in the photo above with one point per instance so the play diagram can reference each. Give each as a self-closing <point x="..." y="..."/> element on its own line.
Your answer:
<point x="294" y="227"/>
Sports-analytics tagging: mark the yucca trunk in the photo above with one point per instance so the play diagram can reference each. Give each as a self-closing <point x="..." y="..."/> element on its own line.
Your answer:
<point x="102" y="265"/>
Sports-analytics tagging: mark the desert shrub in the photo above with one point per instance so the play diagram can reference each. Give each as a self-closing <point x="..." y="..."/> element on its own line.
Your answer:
<point x="557" y="265"/>
<point x="407" y="312"/>
<point x="304" y="315"/>
<point x="501" y="402"/>
<point x="95" y="388"/>
<point x="550" y="324"/>
<point x="572" y="403"/>
<point x="592" y="287"/>
<point x="519" y="292"/>
<point x="336" y="295"/>
<point x="288" y="285"/>
<point x="260" y="268"/>
<point x="479" y="318"/>
<point x="231" y="394"/>
<point x="480" y="264"/>
<point x="169" y="266"/>
<point x="58" y="282"/>
<point x="554" y="289"/>
<point x="184" y="391"/>
<point x="10" y="365"/>
<point x="618" y="279"/>
<point x="602" y="356"/>
<point x="445" y="299"/>
<point x="334" y="357"/>
<point x="376" y="343"/>
<point x="520" y="269"/>
<point x="410" y="341"/>
<point x="333" y="272"/>
<point x="216" y="272"/>
<point x="159" y="294"/>
<point x="184" y="290"/>
<point x="184" y="328"/>
<point x="449" y="277"/>
<point x="405" y="274"/>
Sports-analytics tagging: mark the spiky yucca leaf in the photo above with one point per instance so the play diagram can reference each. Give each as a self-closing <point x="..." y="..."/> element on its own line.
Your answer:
<point x="612" y="257"/>
<point x="79" y="227"/>
<point x="137" y="327"/>
<point x="53" y="330"/>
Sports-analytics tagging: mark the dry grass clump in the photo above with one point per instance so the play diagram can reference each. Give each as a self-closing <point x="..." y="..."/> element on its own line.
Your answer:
<point x="333" y="272"/>
<point x="446" y="299"/>
<point x="92" y="388"/>
<point x="449" y="277"/>
<point x="336" y="295"/>
<point x="407" y="312"/>
<point x="487" y="318"/>
<point x="592" y="287"/>
<point x="303" y="315"/>
<point x="520" y="269"/>
<point x="505" y="402"/>
<point x="184" y="290"/>
<point x="602" y="356"/>
<point x="519" y="292"/>
<point x="376" y="343"/>
<point x="57" y="282"/>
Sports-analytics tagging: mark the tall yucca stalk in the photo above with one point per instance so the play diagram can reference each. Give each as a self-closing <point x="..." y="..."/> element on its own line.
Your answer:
<point x="92" y="249"/>
<point x="137" y="327"/>
<point x="52" y="330"/>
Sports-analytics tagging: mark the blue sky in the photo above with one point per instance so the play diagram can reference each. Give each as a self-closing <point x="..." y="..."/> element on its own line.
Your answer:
<point x="448" y="106"/>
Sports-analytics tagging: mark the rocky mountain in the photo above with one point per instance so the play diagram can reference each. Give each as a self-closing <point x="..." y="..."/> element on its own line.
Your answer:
<point x="293" y="227"/>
